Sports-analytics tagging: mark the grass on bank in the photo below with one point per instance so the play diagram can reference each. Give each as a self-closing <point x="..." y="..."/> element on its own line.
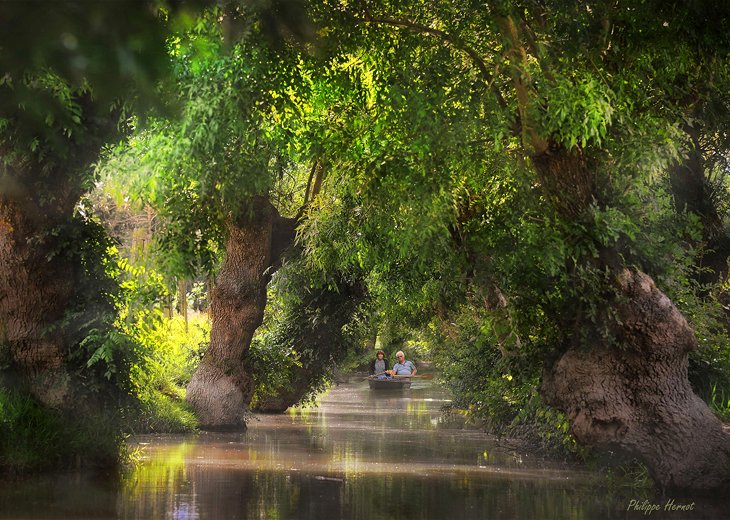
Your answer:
<point x="173" y="352"/>
<point x="36" y="438"/>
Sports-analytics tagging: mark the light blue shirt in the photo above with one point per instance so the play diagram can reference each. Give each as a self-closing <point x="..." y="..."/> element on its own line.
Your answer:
<point x="404" y="369"/>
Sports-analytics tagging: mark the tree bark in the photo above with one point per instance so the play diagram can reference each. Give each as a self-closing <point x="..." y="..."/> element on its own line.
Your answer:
<point x="633" y="395"/>
<point x="182" y="298"/>
<point x="221" y="389"/>
<point x="36" y="284"/>
<point x="39" y="272"/>
<point x="636" y="397"/>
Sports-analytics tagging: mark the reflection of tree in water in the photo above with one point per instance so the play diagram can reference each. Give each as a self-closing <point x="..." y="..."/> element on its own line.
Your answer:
<point x="146" y="492"/>
<point x="362" y="456"/>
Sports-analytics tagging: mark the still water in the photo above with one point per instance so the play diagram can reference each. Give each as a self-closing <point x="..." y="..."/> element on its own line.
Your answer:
<point x="360" y="454"/>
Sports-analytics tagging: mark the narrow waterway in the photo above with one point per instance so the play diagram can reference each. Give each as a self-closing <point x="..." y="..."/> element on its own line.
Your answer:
<point x="360" y="454"/>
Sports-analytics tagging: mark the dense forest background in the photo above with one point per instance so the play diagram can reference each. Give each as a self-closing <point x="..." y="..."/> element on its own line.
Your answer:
<point x="213" y="208"/>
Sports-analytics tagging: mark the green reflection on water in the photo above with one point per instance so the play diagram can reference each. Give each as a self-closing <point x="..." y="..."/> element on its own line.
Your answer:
<point x="149" y="483"/>
<point x="379" y="459"/>
<point x="357" y="455"/>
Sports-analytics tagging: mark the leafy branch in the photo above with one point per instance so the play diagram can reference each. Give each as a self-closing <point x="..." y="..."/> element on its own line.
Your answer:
<point x="454" y="41"/>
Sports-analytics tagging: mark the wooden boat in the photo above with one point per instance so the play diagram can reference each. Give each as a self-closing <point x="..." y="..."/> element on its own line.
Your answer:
<point x="397" y="383"/>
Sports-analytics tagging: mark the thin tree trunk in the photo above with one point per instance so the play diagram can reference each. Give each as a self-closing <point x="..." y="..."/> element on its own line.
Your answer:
<point x="221" y="389"/>
<point x="167" y="309"/>
<point x="182" y="299"/>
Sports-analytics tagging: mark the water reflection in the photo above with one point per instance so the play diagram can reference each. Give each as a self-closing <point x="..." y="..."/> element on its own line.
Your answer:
<point x="360" y="454"/>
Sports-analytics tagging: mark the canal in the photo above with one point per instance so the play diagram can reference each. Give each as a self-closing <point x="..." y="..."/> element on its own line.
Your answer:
<point x="359" y="454"/>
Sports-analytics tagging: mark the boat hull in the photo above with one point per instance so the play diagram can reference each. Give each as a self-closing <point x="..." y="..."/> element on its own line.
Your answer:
<point x="389" y="384"/>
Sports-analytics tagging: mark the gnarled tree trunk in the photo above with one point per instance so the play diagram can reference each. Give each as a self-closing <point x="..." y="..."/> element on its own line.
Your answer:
<point x="634" y="395"/>
<point x="221" y="389"/>
<point x="39" y="267"/>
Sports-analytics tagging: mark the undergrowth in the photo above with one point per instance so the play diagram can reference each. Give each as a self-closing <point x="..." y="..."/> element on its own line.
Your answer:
<point x="173" y="352"/>
<point x="37" y="438"/>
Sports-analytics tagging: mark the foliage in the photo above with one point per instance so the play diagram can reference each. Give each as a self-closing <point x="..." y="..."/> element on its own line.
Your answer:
<point x="172" y="353"/>
<point x="126" y="351"/>
<point x="493" y="387"/>
<point x="96" y="351"/>
<point x="580" y="110"/>
<point x="200" y="170"/>
<point x="631" y="477"/>
<point x="308" y="330"/>
<point x="165" y="352"/>
<point x="720" y="404"/>
<point x="424" y="120"/>
<point x="36" y="438"/>
<point x="68" y="71"/>
<point x="430" y="190"/>
<point x="112" y="303"/>
<point x="272" y="363"/>
<point x="709" y="368"/>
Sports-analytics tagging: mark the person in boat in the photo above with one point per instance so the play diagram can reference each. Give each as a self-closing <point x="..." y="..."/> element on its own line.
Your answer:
<point x="402" y="367"/>
<point x="379" y="365"/>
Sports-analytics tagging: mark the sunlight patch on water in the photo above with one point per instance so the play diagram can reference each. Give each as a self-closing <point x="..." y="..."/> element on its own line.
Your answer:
<point x="358" y="454"/>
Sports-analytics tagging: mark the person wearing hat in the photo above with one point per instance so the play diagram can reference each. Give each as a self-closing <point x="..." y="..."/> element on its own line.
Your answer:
<point x="379" y="365"/>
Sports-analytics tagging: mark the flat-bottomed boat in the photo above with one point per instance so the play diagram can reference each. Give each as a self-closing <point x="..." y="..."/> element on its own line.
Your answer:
<point x="399" y="383"/>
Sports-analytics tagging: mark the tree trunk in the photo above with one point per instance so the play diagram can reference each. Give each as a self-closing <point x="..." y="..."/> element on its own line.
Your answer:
<point x="182" y="299"/>
<point x="221" y="389"/>
<point x="39" y="265"/>
<point x="36" y="285"/>
<point x="637" y="398"/>
<point x="693" y="193"/>
<point x="211" y="288"/>
<point x="634" y="395"/>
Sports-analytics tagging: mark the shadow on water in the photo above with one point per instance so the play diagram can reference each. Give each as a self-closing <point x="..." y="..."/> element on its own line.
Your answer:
<point x="359" y="454"/>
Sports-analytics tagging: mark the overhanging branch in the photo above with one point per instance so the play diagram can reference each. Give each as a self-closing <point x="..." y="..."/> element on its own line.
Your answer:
<point x="314" y="185"/>
<point x="531" y="140"/>
<point x="454" y="41"/>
